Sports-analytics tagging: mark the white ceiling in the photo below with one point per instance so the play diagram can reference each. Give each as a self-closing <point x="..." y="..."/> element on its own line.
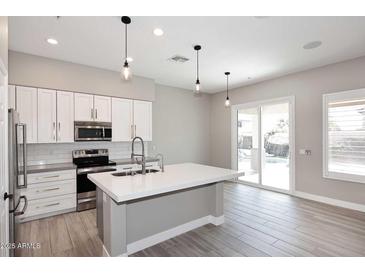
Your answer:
<point x="257" y="47"/>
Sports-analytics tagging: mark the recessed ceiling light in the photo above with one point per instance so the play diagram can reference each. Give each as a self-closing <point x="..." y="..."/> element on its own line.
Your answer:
<point x="312" y="45"/>
<point x="129" y="59"/>
<point x="158" y="32"/>
<point x="52" y="41"/>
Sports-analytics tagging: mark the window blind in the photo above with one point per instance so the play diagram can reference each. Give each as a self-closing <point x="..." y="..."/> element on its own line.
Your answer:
<point x="346" y="136"/>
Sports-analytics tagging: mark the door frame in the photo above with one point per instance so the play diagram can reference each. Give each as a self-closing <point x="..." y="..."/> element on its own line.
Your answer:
<point x="5" y="204"/>
<point x="234" y="154"/>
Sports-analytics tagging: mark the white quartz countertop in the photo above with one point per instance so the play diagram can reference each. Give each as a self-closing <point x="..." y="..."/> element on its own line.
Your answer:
<point x="175" y="177"/>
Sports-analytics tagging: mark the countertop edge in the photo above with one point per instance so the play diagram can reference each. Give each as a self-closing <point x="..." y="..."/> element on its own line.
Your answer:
<point x="127" y="198"/>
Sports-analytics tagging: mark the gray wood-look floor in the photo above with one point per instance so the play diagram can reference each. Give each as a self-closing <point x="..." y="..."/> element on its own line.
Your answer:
<point x="258" y="223"/>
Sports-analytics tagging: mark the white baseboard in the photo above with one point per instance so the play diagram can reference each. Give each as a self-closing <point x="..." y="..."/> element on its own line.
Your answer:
<point x="173" y="232"/>
<point x="330" y="201"/>
<point x="106" y="253"/>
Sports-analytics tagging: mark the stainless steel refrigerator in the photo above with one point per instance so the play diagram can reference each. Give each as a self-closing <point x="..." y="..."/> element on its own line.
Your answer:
<point x="17" y="172"/>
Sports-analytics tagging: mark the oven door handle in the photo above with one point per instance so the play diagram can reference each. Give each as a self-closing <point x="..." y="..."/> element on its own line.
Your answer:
<point x="96" y="171"/>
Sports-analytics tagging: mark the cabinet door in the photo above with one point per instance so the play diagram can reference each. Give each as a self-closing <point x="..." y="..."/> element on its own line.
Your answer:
<point x="122" y="117"/>
<point x="143" y="119"/>
<point x="26" y="105"/>
<point x="102" y="109"/>
<point x="47" y="116"/>
<point x="11" y="97"/>
<point x="84" y="106"/>
<point x="65" y="116"/>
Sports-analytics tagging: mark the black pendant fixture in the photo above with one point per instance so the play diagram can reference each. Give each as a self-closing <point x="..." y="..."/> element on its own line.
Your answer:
<point x="227" y="103"/>
<point x="197" y="82"/>
<point x="126" y="73"/>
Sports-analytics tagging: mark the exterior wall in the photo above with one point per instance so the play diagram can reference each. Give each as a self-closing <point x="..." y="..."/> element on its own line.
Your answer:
<point x="308" y="88"/>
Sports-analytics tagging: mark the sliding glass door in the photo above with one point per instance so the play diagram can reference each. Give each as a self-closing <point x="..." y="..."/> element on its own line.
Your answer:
<point x="248" y="144"/>
<point x="262" y="142"/>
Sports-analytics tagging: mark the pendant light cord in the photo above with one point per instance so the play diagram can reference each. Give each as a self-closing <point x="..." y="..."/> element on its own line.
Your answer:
<point x="197" y="65"/>
<point x="126" y="43"/>
<point x="227" y="86"/>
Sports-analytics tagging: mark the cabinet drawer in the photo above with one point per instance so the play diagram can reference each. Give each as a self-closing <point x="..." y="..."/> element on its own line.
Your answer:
<point x="35" y="178"/>
<point x="48" y="205"/>
<point x="49" y="189"/>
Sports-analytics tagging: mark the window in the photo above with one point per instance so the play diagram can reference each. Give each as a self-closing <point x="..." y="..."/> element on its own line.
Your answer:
<point x="344" y="135"/>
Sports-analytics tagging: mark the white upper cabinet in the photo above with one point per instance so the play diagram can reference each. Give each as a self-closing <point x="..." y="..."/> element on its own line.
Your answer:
<point x="102" y="109"/>
<point x="84" y="107"/>
<point x="143" y="119"/>
<point x="26" y="105"/>
<point x="50" y="114"/>
<point x="65" y="116"/>
<point x="122" y="119"/>
<point x="11" y="97"/>
<point x="47" y="114"/>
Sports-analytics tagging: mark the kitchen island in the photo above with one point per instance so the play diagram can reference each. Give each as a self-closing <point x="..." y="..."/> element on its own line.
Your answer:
<point x="135" y="212"/>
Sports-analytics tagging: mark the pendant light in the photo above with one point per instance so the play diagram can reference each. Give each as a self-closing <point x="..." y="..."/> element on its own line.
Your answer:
<point x="126" y="73"/>
<point x="197" y="82"/>
<point x="227" y="103"/>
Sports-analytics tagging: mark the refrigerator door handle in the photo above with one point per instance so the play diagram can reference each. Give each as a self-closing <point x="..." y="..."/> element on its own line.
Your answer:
<point x="24" y="207"/>
<point x="25" y="173"/>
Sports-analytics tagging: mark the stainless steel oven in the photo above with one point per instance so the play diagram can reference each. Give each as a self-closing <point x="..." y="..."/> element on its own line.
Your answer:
<point x="93" y="131"/>
<point x="89" y="161"/>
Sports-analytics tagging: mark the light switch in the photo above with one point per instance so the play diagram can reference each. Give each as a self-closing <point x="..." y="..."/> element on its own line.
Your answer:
<point x="305" y="152"/>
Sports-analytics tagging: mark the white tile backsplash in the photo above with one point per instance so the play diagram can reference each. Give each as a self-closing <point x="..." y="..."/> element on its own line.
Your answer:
<point x="62" y="153"/>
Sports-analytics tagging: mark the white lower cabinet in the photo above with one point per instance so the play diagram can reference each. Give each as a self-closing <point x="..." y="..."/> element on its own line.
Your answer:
<point x="49" y="193"/>
<point x="46" y="207"/>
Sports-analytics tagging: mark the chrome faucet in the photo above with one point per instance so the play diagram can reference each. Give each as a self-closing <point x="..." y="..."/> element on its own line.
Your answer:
<point x="143" y="162"/>
<point x="160" y="162"/>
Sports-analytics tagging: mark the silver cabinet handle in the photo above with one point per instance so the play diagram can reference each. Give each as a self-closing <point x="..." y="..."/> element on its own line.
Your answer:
<point x="17" y="213"/>
<point x="132" y="132"/>
<point x="92" y="114"/>
<point x="48" y="189"/>
<point x="49" y="177"/>
<point x="54" y="204"/>
<point x="135" y="130"/>
<point x="59" y="131"/>
<point x="126" y="168"/>
<point x="96" y="113"/>
<point x="54" y="131"/>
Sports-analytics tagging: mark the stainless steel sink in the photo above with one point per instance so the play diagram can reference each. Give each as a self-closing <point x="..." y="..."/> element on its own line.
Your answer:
<point x="132" y="173"/>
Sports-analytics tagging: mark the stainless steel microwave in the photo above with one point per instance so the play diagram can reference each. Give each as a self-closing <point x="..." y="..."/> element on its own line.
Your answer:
<point x="93" y="131"/>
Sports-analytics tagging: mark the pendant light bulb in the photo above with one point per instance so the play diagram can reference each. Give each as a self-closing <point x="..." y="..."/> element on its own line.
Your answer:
<point x="197" y="86"/>
<point x="227" y="103"/>
<point x="126" y="71"/>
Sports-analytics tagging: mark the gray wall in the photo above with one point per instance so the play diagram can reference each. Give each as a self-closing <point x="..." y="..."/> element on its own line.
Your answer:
<point x="36" y="71"/>
<point x="181" y="125"/>
<point x="4" y="40"/>
<point x="307" y="87"/>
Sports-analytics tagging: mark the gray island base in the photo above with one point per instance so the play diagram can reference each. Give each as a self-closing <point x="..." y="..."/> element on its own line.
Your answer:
<point x="130" y="226"/>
